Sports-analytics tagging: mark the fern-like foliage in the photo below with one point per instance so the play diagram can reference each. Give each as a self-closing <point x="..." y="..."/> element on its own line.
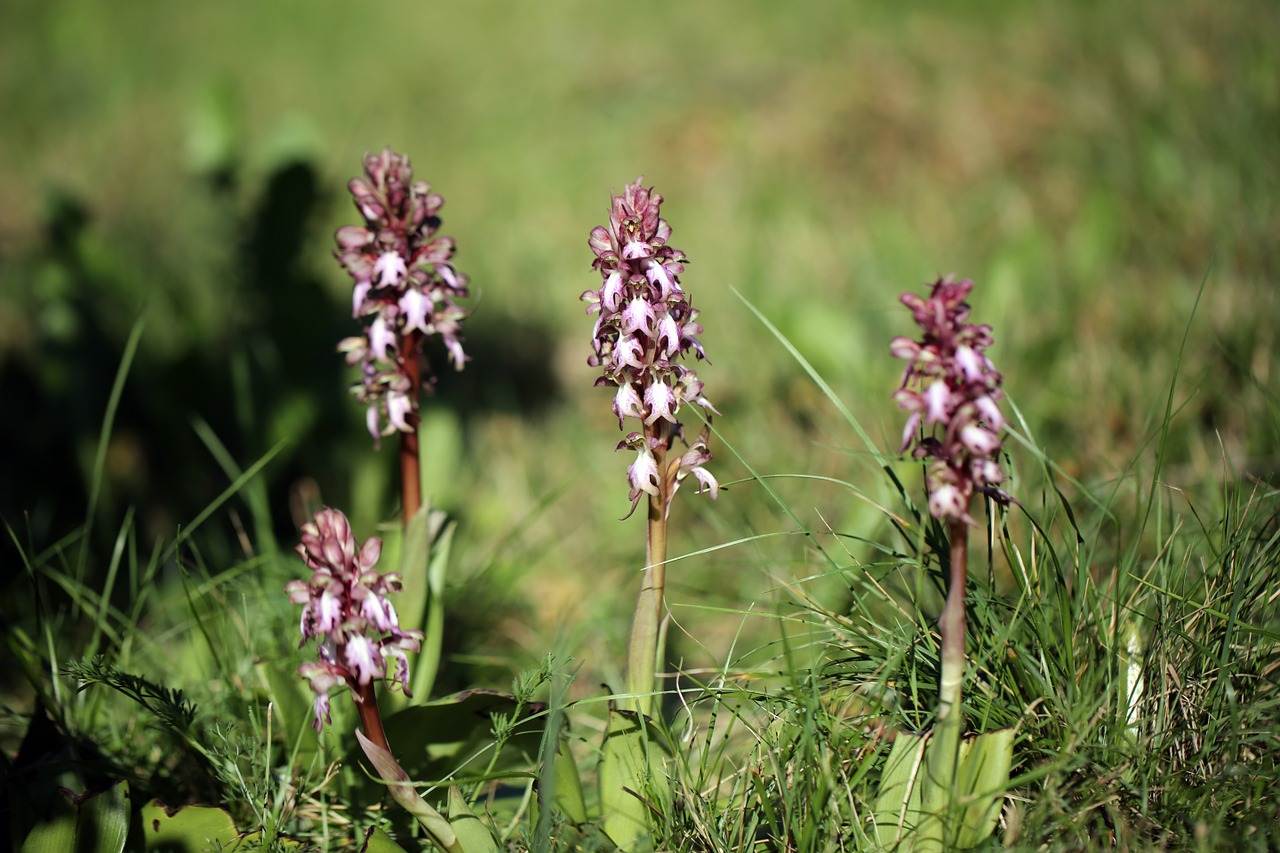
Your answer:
<point x="168" y="705"/>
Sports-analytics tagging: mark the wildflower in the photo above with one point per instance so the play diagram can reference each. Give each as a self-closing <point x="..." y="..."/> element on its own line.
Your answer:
<point x="345" y="607"/>
<point x="951" y="389"/>
<point x="405" y="282"/>
<point x="646" y="323"/>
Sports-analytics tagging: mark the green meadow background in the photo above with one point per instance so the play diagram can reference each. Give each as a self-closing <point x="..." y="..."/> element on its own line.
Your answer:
<point x="1090" y="165"/>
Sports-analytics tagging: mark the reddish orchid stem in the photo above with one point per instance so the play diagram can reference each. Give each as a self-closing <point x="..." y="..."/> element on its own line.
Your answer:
<point x="410" y="460"/>
<point x="370" y="717"/>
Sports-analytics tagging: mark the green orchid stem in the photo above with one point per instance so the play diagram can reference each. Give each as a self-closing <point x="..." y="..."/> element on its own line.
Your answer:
<point x="410" y="464"/>
<point x="951" y="626"/>
<point x="644" y="647"/>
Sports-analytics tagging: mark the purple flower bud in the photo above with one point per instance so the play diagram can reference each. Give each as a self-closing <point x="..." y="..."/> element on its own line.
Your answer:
<point x="369" y="554"/>
<point x="901" y="347"/>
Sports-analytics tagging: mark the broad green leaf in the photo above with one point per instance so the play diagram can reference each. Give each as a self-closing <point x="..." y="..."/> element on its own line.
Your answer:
<point x="56" y="833"/>
<point x="567" y="796"/>
<point x="200" y="829"/>
<point x="631" y="776"/>
<point x="415" y="552"/>
<point x="423" y="566"/>
<point x="253" y="843"/>
<point x="428" y="662"/>
<point x="440" y="440"/>
<point x="911" y="808"/>
<point x="377" y="841"/>
<point x="451" y="735"/>
<point x="191" y="829"/>
<point x="473" y="835"/>
<point x="901" y="820"/>
<point x="983" y="776"/>
<point x="559" y="786"/>
<point x="104" y="820"/>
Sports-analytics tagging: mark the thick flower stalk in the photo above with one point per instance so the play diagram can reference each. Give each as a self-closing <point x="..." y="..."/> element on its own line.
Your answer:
<point x="405" y="291"/>
<point x="951" y="391"/>
<point x="345" y="607"/>
<point x="646" y="323"/>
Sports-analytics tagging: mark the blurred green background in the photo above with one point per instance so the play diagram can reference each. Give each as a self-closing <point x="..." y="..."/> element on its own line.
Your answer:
<point x="1088" y="164"/>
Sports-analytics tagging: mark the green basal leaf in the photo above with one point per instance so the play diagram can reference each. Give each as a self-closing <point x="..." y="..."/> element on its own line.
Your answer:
<point x="191" y="829"/>
<point x="453" y="736"/>
<point x="377" y="841"/>
<point x="56" y="833"/>
<point x="568" y="796"/>
<point x="632" y="775"/>
<point x="982" y="779"/>
<point x="428" y="663"/>
<point x="104" y="819"/>
<point x="423" y="566"/>
<point x="912" y="810"/>
<point x="473" y="835"/>
<point x="901" y="820"/>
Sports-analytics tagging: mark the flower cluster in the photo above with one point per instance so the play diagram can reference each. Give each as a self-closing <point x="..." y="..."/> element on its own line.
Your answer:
<point x="404" y="282"/>
<point x="950" y="388"/>
<point x="646" y="321"/>
<point x="345" y="605"/>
